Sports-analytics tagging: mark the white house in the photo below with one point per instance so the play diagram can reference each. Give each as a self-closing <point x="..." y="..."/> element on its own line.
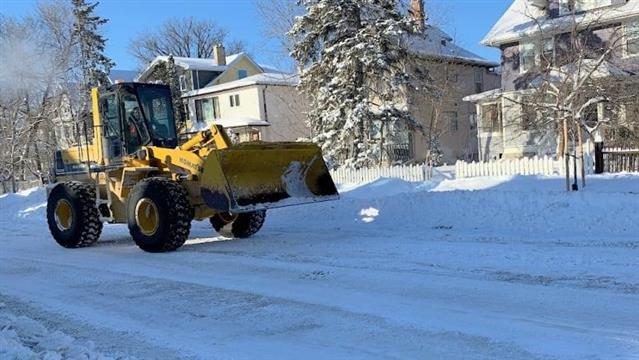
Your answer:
<point x="252" y="101"/>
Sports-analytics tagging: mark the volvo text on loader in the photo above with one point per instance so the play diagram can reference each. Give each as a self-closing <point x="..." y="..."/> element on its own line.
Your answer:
<point x="133" y="171"/>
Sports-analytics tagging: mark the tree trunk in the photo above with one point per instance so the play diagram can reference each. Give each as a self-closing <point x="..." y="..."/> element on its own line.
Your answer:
<point x="565" y="151"/>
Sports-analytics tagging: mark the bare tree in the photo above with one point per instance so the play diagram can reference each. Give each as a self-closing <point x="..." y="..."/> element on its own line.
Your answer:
<point x="187" y="37"/>
<point x="576" y="88"/>
<point x="277" y="18"/>
<point x="38" y="81"/>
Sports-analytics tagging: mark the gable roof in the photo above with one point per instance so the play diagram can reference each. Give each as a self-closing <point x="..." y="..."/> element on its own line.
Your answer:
<point x="188" y="63"/>
<point x="435" y="43"/>
<point x="124" y="75"/>
<point x="281" y="79"/>
<point x="522" y="20"/>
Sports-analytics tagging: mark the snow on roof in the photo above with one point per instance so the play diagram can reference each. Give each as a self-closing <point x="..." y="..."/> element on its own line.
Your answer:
<point x="436" y="43"/>
<point x="230" y="122"/>
<point x="490" y="94"/>
<point x="189" y="63"/>
<point x="124" y="75"/>
<point x="258" y="79"/>
<point x="522" y="19"/>
<point x="271" y="69"/>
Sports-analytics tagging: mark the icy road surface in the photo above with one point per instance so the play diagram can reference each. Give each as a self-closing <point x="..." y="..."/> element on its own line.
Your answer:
<point x="516" y="269"/>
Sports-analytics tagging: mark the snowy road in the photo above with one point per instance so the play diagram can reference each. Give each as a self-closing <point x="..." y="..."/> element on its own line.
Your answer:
<point x="520" y="270"/>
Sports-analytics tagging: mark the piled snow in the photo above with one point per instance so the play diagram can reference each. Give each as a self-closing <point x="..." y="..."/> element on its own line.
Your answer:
<point x="25" y="338"/>
<point x="487" y="205"/>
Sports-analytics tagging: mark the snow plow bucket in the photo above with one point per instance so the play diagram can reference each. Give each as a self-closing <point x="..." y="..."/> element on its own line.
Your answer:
<point x="255" y="176"/>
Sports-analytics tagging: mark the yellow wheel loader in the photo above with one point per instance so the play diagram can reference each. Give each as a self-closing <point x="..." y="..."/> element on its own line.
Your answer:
<point x="134" y="171"/>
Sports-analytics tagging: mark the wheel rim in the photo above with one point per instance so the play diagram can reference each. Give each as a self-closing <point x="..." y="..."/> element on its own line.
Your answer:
<point x="147" y="216"/>
<point x="227" y="217"/>
<point x="63" y="215"/>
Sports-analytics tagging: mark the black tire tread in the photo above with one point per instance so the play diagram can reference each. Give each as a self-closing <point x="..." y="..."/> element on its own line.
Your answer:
<point x="90" y="224"/>
<point x="179" y="215"/>
<point x="243" y="226"/>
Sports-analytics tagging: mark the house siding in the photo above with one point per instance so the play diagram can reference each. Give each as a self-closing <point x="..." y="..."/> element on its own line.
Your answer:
<point x="284" y="108"/>
<point x="510" y="66"/>
<point x="231" y="75"/>
<point x="454" y="144"/>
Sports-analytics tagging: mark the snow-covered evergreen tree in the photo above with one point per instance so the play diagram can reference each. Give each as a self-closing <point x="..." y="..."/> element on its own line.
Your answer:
<point x="95" y="64"/>
<point x="351" y="59"/>
<point x="167" y="73"/>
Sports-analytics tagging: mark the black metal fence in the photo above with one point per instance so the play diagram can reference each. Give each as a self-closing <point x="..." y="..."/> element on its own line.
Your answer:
<point x="619" y="160"/>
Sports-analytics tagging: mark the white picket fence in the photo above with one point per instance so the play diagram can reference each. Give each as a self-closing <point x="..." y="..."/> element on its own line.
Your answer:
<point x="525" y="166"/>
<point x="404" y="172"/>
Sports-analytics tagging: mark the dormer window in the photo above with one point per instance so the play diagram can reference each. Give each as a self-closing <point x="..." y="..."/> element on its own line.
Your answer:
<point x="242" y="73"/>
<point x="536" y="54"/>
<point x="568" y="6"/>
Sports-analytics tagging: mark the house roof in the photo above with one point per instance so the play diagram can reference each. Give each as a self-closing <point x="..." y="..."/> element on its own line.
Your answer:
<point x="522" y="20"/>
<point x="188" y="63"/>
<point x="486" y="95"/>
<point x="124" y="75"/>
<point x="258" y="79"/>
<point x="434" y="42"/>
<point x="230" y="122"/>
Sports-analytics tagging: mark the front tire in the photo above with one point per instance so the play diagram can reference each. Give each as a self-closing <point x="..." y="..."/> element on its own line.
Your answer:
<point x="238" y="225"/>
<point x="159" y="215"/>
<point x="73" y="218"/>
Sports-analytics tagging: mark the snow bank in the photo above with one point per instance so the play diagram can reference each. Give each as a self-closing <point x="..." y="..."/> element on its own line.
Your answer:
<point x="25" y="338"/>
<point x="497" y="205"/>
<point x="26" y="205"/>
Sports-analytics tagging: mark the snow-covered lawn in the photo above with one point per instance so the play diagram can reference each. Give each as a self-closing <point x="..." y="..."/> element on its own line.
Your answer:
<point x="484" y="268"/>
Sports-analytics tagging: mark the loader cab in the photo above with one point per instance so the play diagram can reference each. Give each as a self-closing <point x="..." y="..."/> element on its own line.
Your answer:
<point x="135" y="115"/>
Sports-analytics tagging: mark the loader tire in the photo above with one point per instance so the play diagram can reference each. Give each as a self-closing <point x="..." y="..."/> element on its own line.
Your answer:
<point x="159" y="215"/>
<point x="238" y="225"/>
<point x="72" y="216"/>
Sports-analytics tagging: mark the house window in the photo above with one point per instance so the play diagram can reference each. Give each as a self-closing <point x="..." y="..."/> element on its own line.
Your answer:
<point x="451" y="118"/>
<point x="479" y="80"/>
<point x="183" y="83"/>
<point x="207" y="110"/>
<point x="242" y="73"/>
<point x="568" y="6"/>
<point x="631" y="39"/>
<point x="547" y="52"/>
<point x="528" y="117"/>
<point x="526" y="56"/>
<point x="234" y="100"/>
<point x="491" y="118"/>
<point x="534" y="54"/>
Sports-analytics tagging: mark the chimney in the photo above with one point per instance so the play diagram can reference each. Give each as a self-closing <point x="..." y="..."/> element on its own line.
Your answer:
<point x="416" y="12"/>
<point x="218" y="54"/>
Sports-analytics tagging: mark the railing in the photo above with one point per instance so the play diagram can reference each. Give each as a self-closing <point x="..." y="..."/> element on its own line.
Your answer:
<point x="404" y="172"/>
<point x="618" y="160"/>
<point x="525" y="166"/>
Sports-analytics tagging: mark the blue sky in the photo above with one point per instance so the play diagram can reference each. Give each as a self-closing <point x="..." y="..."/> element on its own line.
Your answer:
<point x="466" y="20"/>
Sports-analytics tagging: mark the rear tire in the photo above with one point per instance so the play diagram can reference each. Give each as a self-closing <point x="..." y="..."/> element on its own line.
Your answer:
<point x="159" y="215"/>
<point x="238" y="225"/>
<point x="72" y="216"/>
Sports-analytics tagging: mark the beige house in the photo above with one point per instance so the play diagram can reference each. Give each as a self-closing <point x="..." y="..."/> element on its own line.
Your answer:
<point x="252" y="101"/>
<point x="456" y="73"/>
